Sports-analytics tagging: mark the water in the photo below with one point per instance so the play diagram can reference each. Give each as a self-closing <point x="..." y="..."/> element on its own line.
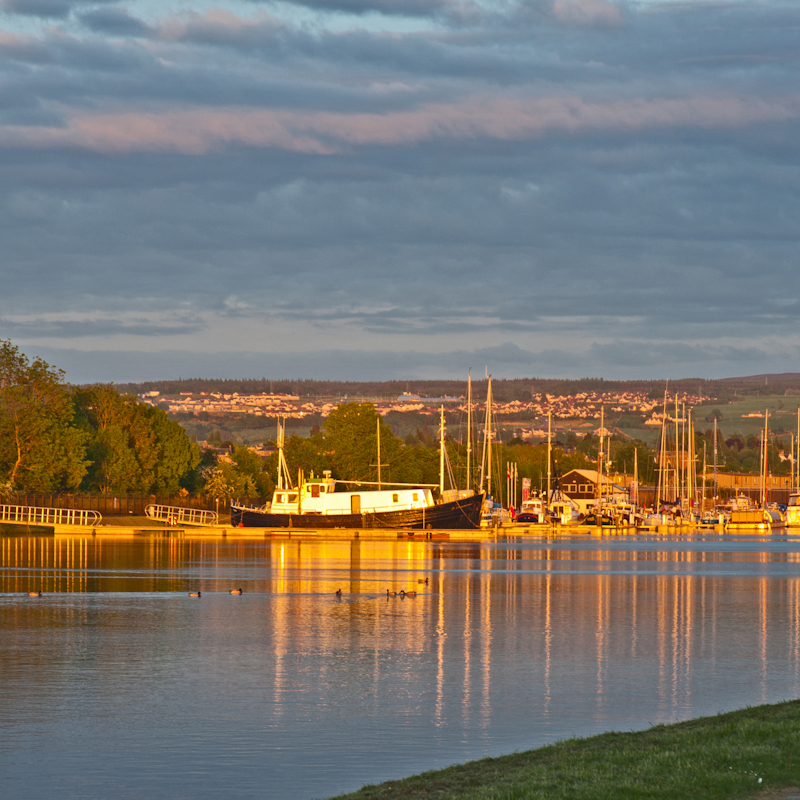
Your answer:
<point x="117" y="684"/>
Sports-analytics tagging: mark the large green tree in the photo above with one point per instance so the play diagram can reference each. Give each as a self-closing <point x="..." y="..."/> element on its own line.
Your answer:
<point x="41" y="449"/>
<point x="351" y="444"/>
<point x="133" y="447"/>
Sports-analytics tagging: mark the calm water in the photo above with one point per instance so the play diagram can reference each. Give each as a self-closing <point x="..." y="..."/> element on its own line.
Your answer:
<point x="116" y="684"/>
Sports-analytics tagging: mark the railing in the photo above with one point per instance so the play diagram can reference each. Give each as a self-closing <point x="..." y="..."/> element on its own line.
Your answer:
<point x="33" y="515"/>
<point x="175" y="515"/>
<point x="110" y="505"/>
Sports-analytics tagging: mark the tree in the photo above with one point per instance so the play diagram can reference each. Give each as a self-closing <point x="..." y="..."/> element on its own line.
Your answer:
<point x="41" y="448"/>
<point x="252" y="466"/>
<point x="134" y="447"/>
<point x="351" y="440"/>
<point x="224" y="480"/>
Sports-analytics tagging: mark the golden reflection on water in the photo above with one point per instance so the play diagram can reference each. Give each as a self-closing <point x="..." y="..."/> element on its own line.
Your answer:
<point x="553" y="609"/>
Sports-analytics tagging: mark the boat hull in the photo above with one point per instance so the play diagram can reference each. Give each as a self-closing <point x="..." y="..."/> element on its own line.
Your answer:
<point x="456" y="515"/>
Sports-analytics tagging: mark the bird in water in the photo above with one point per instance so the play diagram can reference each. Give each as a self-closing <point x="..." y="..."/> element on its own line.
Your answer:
<point x="194" y="594"/>
<point x="34" y="594"/>
<point x="338" y="592"/>
<point x="390" y="594"/>
<point x="236" y="591"/>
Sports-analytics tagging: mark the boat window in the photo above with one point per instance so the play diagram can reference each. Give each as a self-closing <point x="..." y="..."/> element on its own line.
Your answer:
<point x="278" y="498"/>
<point x="395" y="498"/>
<point x="315" y="490"/>
<point x="292" y="498"/>
<point x="415" y="496"/>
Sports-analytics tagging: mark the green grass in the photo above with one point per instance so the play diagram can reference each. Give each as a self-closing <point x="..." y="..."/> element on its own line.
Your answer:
<point x="712" y="757"/>
<point x="782" y="413"/>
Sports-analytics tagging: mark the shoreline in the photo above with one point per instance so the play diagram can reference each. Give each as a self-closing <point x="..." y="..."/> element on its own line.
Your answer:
<point x="752" y="752"/>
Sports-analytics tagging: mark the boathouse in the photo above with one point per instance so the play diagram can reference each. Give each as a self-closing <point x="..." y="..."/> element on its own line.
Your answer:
<point x="580" y="485"/>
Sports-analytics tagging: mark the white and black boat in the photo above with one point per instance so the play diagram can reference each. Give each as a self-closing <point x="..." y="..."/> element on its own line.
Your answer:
<point x="315" y="503"/>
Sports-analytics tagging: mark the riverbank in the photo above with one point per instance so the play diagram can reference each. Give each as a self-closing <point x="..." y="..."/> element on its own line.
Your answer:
<point x="754" y="752"/>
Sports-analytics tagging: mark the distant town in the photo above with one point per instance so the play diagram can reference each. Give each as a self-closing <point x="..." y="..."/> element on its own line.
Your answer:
<point x="585" y="405"/>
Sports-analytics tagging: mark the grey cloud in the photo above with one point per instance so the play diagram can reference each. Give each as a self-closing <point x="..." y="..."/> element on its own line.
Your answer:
<point x="405" y="8"/>
<point x="663" y="239"/>
<point x="48" y="9"/>
<point x="58" y="9"/>
<point x="113" y="21"/>
<point x="76" y="329"/>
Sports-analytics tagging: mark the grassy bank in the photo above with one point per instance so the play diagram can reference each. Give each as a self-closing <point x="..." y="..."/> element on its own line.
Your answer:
<point x="741" y="754"/>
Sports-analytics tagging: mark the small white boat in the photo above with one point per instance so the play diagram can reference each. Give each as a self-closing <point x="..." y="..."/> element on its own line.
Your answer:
<point x="792" y="516"/>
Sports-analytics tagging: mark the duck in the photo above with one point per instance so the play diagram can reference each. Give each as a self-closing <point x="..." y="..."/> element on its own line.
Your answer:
<point x="422" y="580"/>
<point x="338" y="592"/>
<point x="34" y="594"/>
<point x="411" y="594"/>
<point x="194" y="594"/>
<point x="390" y="594"/>
<point x="236" y="591"/>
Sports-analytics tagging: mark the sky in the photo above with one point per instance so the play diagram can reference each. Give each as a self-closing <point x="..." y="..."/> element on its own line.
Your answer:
<point x="376" y="189"/>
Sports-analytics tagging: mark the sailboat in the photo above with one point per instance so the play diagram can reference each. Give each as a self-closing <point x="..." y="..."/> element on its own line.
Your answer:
<point x="315" y="503"/>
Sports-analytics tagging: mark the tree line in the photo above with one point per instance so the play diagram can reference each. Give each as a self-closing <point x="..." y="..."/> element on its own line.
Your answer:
<point x="54" y="437"/>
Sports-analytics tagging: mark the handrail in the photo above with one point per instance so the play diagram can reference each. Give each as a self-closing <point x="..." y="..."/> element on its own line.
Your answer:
<point x="177" y="515"/>
<point x="34" y="515"/>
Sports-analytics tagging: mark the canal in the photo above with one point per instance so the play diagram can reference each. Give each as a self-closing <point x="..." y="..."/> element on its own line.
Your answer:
<point x="117" y="684"/>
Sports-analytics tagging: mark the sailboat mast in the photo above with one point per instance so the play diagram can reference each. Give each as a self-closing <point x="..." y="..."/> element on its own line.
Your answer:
<point x="378" y="421"/>
<point x="489" y="435"/>
<point x="715" y="460"/>
<point x="441" y="451"/>
<point x="600" y="461"/>
<point x="283" y="470"/>
<point x="549" y="457"/>
<point x="690" y="465"/>
<point x="677" y="451"/>
<point x="469" y="431"/>
<point x="662" y="455"/>
<point x="703" y="505"/>
<point x="764" y="460"/>
<point x="486" y="460"/>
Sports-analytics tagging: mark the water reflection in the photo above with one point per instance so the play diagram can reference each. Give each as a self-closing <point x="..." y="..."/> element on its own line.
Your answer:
<point x="509" y="645"/>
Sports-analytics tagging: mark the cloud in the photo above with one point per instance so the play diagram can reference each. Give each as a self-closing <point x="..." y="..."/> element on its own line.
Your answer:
<point x="203" y="130"/>
<point x="588" y="12"/>
<point x="44" y="328"/>
<point x="113" y="21"/>
<point x="57" y="9"/>
<point x="406" y="8"/>
<point x="606" y="187"/>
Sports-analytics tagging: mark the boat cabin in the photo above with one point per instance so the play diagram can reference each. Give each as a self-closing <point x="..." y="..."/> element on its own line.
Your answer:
<point x="319" y="497"/>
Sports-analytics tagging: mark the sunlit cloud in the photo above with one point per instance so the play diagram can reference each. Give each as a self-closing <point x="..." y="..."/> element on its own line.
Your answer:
<point x="198" y="131"/>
